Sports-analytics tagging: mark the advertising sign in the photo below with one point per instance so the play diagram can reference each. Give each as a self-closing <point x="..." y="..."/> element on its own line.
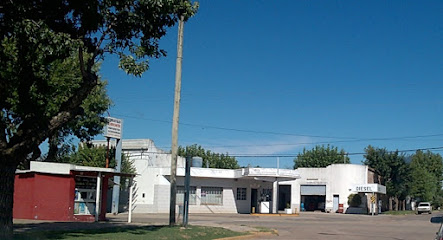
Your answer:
<point x="114" y="128"/>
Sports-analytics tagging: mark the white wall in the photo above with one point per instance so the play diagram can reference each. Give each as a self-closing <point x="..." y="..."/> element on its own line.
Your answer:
<point x="157" y="189"/>
<point x="341" y="179"/>
<point x="153" y="164"/>
<point x="338" y="178"/>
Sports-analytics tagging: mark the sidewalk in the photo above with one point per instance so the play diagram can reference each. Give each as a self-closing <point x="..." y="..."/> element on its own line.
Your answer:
<point x="210" y="220"/>
<point x="146" y="219"/>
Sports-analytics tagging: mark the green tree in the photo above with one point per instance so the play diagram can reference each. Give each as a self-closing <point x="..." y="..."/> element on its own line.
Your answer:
<point x="214" y="160"/>
<point x="426" y="176"/>
<point x="354" y="200"/>
<point x="320" y="156"/>
<point x="84" y="126"/>
<point x="35" y="37"/>
<point x="95" y="156"/>
<point x="423" y="187"/>
<point x="393" y="169"/>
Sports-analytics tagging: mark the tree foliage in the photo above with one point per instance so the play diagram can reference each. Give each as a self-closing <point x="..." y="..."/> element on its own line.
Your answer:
<point x="354" y="200"/>
<point x="35" y="37"/>
<point x="39" y="36"/>
<point x="214" y="160"/>
<point x="393" y="169"/>
<point x="420" y="178"/>
<point x="426" y="176"/>
<point x="320" y="156"/>
<point x="95" y="156"/>
<point x="90" y="123"/>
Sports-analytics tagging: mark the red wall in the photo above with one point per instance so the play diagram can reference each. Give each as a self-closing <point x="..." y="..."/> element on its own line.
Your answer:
<point x="24" y="196"/>
<point x="44" y="196"/>
<point x="50" y="197"/>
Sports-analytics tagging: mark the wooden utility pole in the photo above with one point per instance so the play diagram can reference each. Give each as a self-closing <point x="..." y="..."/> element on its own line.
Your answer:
<point x="175" y="118"/>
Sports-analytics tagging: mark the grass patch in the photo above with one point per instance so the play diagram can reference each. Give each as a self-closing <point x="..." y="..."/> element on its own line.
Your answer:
<point x="130" y="232"/>
<point x="265" y="229"/>
<point x="407" y="212"/>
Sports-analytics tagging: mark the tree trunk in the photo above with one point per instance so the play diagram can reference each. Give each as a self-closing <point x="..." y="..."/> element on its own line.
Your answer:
<point x="390" y="203"/>
<point x="52" y="148"/>
<point x="7" y="177"/>
<point x="396" y="203"/>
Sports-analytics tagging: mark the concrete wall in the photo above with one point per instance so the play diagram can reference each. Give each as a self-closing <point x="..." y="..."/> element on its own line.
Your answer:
<point x="338" y="178"/>
<point x="156" y="190"/>
<point x="153" y="188"/>
<point x="153" y="168"/>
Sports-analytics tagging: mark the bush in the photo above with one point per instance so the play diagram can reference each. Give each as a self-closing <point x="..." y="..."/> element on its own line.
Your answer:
<point x="354" y="200"/>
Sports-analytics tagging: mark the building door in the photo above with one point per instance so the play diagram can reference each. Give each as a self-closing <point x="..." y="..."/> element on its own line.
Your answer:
<point x="313" y="197"/>
<point x="335" y="202"/>
<point x="254" y="200"/>
<point x="284" y="197"/>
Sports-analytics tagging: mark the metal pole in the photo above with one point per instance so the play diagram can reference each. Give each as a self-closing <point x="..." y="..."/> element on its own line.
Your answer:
<point x="116" y="187"/>
<point x="175" y="120"/>
<point x="131" y="190"/>
<point x="97" y="197"/>
<point x="186" y="199"/>
<point x="373" y="205"/>
<point x="107" y="152"/>
<point x="278" y="165"/>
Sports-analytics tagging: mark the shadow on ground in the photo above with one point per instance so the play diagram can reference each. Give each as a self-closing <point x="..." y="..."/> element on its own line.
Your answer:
<point x="37" y="231"/>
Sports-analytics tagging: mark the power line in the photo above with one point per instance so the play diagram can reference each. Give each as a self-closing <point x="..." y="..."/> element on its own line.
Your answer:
<point x="257" y="155"/>
<point x="312" y="143"/>
<point x="349" y="139"/>
<point x="234" y="129"/>
<point x="347" y="154"/>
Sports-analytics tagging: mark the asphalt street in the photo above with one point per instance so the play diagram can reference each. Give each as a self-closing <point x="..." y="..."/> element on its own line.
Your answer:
<point x="313" y="225"/>
<point x="306" y="226"/>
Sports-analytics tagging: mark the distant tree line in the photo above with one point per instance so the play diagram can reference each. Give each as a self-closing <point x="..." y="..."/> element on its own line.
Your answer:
<point x="210" y="159"/>
<point x="418" y="176"/>
<point x="320" y="156"/>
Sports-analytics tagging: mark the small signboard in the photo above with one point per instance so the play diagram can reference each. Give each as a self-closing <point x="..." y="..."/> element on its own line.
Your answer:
<point x="368" y="188"/>
<point x="114" y="128"/>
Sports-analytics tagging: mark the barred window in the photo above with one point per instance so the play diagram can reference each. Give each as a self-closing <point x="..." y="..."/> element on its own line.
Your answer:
<point x="180" y="197"/>
<point x="212" y="196"/>
<point x="266" y="194"/>
<point x="241" y="193"/>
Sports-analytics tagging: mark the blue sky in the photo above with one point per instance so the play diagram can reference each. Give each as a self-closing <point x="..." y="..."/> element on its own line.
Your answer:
<point x="272" y="77"/>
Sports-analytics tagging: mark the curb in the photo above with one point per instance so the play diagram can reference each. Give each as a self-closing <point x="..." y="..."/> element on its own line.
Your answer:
<point x="251" y="235"/>
<point x="275" y="214"/>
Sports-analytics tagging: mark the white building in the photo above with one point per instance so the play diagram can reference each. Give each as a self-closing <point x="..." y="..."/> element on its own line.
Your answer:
<point x="325" y="188"/>
<point x="241" y="190"/>
<point x="212" y="190"/>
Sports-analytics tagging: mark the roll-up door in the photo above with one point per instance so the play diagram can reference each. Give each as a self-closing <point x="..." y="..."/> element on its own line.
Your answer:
<point x="319" y="190"/>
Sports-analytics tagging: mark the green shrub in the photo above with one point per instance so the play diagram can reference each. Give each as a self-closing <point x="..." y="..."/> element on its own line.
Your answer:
<point x="354" y="200"/>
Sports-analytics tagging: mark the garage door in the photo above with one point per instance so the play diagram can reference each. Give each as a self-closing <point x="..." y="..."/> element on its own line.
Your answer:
<point x="319" y="190"/>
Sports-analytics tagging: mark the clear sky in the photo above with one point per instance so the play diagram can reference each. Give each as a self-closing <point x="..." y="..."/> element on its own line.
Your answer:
<point x="272" y="77"/>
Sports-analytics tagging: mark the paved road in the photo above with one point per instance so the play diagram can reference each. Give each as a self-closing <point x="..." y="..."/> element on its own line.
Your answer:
<point x="307" y="226"/>
<point x="315" y="225"/>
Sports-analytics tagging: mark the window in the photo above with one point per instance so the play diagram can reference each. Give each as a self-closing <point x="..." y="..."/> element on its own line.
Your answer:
<point x="181" y="195"/>
<point x="241" y="193"/>
<point x="212" y="196"/>
<point x="84" y="195"/>
<point x="266" y="195"/>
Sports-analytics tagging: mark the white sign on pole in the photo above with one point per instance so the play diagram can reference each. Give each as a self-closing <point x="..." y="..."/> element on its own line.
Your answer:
<point x="370" y="188"/>
<point x="114" y="128"/>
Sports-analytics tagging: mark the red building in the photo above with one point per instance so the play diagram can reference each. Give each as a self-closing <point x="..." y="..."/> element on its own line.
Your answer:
<point x="61" y="192"/>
